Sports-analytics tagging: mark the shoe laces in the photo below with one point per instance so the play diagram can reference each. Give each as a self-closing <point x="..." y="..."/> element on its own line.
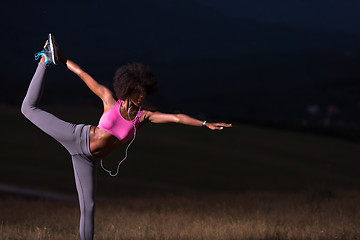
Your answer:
<point x="38" y="54"/>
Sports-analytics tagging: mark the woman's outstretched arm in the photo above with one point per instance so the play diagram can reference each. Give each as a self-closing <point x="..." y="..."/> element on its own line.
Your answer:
<point x="100" y="90"/>
<point x="158" y="117"/>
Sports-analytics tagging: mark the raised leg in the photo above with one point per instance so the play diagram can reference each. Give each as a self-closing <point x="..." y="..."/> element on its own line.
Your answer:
<point x="60" y="130"/>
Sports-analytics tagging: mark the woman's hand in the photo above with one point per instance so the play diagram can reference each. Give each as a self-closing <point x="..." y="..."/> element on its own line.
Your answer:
<point x="61" y="57"/>
<point x="217" y="126"/>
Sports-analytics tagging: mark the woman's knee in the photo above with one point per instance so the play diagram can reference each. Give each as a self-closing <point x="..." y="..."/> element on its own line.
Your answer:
<point x="25" y="108"/>
<point x="88" y="208"/>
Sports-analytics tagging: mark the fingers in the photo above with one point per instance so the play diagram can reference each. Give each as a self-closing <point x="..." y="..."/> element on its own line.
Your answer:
<point x="219" y="126"/>
<point x="61" y="57"/>
<point x="222" y="125"/>
<point x="225" y="124"/>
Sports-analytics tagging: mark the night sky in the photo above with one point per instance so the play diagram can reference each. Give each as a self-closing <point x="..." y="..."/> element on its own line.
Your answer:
<point x="269" y="59"/>
<point x="333" y="15"/>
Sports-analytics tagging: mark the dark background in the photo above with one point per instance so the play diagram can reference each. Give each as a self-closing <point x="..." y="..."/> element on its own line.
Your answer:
<point x="290" y="65"/>
<point x="285" y="73"/>
<point x="277" y="62"/>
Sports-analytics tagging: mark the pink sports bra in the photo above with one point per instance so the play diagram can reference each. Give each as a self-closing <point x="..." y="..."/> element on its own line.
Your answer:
<point x="116" y="125"/>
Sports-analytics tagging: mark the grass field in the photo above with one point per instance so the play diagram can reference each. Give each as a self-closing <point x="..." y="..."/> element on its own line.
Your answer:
<point x="184" y="182"/>
<point x="207" y="216"/>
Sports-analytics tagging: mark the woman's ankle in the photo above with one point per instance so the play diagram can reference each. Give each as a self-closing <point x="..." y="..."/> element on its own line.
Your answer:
<point x="42" y="59"/>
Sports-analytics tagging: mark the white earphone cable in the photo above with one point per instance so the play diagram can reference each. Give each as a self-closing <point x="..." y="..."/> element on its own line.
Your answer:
<point x="126" y="152"/>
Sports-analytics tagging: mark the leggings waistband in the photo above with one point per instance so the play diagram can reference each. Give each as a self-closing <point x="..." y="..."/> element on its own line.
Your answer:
<point x="85" y="142"/>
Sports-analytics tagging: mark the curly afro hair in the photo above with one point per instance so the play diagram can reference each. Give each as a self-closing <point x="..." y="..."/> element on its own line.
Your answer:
<point x="132" y="77"/>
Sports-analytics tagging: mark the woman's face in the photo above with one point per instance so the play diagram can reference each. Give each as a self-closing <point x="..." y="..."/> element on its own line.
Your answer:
<point x="138" y="96"/>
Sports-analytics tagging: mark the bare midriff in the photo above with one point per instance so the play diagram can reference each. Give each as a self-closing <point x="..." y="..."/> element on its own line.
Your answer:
<point x="101" y="142"/>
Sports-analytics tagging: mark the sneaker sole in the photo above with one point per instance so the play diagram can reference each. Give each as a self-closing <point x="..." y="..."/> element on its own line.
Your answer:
<point x="52" y="48"/>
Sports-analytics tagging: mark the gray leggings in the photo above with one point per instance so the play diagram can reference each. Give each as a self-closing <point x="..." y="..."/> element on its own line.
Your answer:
<point x="75" y="138"/>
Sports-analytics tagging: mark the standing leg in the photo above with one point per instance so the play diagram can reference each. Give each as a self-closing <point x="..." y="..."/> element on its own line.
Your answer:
<point x="85" y="178"/>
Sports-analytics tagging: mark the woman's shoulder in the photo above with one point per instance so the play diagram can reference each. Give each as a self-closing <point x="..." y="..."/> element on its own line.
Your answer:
<point x="110" y="103"/>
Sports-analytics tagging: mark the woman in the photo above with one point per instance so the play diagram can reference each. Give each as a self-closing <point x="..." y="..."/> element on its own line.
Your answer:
<point x="121" y="118"/>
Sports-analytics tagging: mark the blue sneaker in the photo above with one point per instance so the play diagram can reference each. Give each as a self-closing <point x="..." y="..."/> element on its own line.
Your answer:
<point x="49" y="51"/>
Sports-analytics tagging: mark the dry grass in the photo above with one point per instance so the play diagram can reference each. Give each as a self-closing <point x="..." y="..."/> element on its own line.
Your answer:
<point x="310" y="215"/>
